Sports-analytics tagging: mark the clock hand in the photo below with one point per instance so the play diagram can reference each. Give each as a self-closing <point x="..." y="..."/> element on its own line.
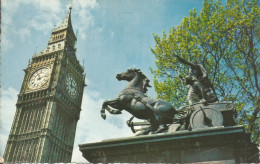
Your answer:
<point x="37" y="76"/>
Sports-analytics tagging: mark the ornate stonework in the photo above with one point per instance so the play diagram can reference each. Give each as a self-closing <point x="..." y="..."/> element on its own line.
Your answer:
<point x="45" y="122"/>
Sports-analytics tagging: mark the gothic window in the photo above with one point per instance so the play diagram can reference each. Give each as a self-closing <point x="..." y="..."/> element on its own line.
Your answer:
<point x="31" y="150"/>
<point x="41" y="119"/>
<point x="26" y="151"/>
<point x="23" y="126"/>
<point x="27" y="121"/>
<point x="51" y="151"/>
<point x="19" y="153"/>
<point x="34" y="120"/>
<point x="29" y="124"/>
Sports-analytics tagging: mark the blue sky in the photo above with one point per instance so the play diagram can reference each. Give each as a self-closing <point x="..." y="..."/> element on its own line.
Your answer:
<point x="113" y="36"/>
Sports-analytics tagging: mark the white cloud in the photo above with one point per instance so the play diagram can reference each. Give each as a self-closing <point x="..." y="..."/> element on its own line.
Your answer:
<point x="8" y="100"/>
<point x="43" y="17"/>
<point x="112" y="33"/>
<point x="24" y="33"/>
<point x="8" y="10"/>
<point x="46" y="14"/>
<point x="85" y="19"/>
<point x="53" y="6"/>
<point x="90" y="3"/>
<point x="6" y="43"/>
<point x="92" y="128"/>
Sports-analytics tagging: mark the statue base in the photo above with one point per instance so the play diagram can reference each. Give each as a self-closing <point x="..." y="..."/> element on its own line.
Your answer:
<point x="216" y="144"/>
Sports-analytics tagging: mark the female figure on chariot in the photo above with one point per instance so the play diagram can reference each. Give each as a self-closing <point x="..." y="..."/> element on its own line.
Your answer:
<point x="200" y="87"/>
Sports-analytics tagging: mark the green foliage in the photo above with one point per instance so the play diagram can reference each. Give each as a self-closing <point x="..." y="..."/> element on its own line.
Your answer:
<point x="225" y="40"/>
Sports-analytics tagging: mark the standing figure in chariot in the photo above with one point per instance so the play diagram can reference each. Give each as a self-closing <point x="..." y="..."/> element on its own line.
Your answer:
<point x="200" y="87"/>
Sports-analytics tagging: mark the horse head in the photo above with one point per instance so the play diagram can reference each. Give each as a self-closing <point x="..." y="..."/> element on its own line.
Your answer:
<point x="128" y="75"/>
<point x="133" y="73"/>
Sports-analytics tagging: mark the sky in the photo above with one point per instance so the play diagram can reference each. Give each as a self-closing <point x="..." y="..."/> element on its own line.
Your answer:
<point x="113" y="36"/>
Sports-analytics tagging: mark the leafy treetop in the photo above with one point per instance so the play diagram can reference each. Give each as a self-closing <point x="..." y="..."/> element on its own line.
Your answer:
<point x="225" y="40"/>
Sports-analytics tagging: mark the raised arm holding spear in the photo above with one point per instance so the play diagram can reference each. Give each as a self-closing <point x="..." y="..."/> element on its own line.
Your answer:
<point x="199" y="84"/>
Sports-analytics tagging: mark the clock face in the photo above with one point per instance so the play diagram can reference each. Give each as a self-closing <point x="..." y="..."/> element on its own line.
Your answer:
<point x="71" y="86"/>
<point x="39" y="78"/>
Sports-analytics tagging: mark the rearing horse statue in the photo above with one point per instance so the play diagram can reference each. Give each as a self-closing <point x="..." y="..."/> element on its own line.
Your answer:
<point x="134" y="100"/>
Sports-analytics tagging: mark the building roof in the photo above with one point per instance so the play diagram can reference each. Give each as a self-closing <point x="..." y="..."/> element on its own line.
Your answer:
<point x="66" y="23"/>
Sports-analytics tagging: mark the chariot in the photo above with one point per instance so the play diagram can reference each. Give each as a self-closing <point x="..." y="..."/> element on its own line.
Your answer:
<point x="194" y="117"/>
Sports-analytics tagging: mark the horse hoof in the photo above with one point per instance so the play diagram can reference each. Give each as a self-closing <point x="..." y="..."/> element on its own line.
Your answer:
<point x="161" y="129"/>
<point x="103" y="115"/>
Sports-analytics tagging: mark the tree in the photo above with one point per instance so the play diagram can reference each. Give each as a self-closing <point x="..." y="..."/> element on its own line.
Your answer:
<point x="225" y="40"/>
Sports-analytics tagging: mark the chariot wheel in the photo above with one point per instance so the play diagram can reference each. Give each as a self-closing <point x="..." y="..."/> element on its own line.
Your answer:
<point x="205" y="117"/>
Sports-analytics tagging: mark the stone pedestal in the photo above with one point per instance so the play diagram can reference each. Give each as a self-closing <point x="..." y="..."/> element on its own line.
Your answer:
<point x="217" y="144"/>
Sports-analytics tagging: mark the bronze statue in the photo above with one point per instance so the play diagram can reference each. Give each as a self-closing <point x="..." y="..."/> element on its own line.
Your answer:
<point x="134" y="100"/>
<point x="200" y="87"/>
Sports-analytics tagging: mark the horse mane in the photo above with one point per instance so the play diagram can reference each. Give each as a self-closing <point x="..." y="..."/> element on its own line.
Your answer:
<point x="145" y="79"/>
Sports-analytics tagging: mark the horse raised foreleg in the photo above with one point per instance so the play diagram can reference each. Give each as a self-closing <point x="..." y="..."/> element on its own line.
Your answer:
<point x="113" y="103"/>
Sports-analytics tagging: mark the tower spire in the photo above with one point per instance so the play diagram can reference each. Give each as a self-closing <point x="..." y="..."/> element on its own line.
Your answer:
<point x="62" y="35"/>
<point x="64" y="31"/>
<point x="66" y="23"/>
<point x="71" y="4"/>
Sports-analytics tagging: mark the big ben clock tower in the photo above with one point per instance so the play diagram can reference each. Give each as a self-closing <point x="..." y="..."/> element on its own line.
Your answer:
<point x="49" y="102"/>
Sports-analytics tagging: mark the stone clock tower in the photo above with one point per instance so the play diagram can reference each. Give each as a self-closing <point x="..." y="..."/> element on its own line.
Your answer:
<point x="49" y="103"/>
